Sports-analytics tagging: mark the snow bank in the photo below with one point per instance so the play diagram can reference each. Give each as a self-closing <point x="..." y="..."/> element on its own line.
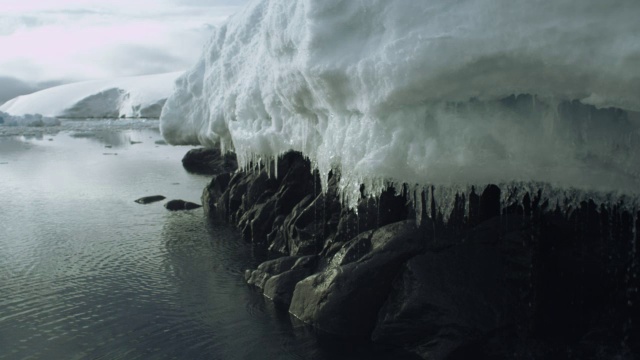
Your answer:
<point x="137" y="96"/>
<point x="438" y="92"/>
<point x="27" y="120"/>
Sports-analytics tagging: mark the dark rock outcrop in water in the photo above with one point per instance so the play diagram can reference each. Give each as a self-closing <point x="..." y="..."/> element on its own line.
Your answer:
<point x="530" y="279"/>
<point x="177" y="205"/>
<point x="150" y="199"/>
<point x="207" y="161"/>
<point x="346" y="296"/>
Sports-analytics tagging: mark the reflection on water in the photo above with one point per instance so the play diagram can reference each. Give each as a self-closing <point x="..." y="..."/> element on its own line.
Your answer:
<point x="87" y="273"/>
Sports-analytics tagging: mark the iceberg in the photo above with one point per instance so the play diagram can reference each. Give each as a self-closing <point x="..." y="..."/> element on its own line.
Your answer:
<point x="33" y="120"/>
<point x="136" y="96"/>
<point x="438" y="93"/>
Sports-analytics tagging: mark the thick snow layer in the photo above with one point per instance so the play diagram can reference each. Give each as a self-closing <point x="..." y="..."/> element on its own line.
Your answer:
<point x="438" y="92"/>
<point x="137" y="96"/>
<point x="27" y="120"/>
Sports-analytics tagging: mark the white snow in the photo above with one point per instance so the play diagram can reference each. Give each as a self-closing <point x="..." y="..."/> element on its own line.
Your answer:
<point x="439" y="92"/>
<point x="137" y="96"/>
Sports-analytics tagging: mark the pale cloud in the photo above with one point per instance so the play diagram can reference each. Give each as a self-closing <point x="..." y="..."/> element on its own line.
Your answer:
<point x="44" y="40"/>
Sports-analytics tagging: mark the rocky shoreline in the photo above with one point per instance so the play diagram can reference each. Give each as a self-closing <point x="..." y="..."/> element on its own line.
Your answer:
<point x="529" y="280"/>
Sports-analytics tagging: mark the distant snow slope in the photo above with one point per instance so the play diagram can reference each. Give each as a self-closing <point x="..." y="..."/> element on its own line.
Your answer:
<point x="137" y="96"/>
<point x="437" y="92"/>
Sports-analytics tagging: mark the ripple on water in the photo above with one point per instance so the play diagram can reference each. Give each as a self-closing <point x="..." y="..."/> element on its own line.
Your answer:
<point x="87" y="273"/>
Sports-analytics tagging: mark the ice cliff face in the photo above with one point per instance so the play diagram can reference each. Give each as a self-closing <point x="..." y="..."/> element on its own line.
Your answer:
<point x="438" y="92"/>
<point x="136" y="96"/>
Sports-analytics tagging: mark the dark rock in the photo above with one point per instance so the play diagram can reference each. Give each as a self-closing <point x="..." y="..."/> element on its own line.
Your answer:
<point x="445" y="301"/>
<point x="296" y="182"/>
<point x="213" y="192"/>
<point x="230" y="201"/>
<point x="372" y="214"/>
<point x="279" y="288"/>
<point x="489" y="206"/>
<point x="176" y="205"/>
<point x="388" y="208"/>
<point x="259" y="185"/>
<point x="268" y="269"/>
<point x="150" y="199"/>
<point x="262" y="223"/>
<point x="531" y="279"/>
<point x="209" y="161"/>
<point x="276" y="238"/>
<point x="302" y="230"/>
<point x="346" y="297"/>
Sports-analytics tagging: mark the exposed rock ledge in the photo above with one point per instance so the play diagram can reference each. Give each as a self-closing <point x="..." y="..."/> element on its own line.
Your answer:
<point x="525" y="281"/>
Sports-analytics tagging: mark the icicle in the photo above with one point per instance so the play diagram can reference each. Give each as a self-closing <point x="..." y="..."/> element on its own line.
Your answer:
<point x="417" y="204"/>
<point x="269" y="174"/>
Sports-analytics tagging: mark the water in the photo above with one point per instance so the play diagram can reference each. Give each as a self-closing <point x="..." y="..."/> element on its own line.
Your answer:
<point x="87" y="273"/>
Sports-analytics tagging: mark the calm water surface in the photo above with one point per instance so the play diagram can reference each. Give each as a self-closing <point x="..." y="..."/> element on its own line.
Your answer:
<point x="87" y="273"/>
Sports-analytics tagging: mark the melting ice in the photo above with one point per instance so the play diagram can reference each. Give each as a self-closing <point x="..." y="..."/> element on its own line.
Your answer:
<point x="441" y="93"/>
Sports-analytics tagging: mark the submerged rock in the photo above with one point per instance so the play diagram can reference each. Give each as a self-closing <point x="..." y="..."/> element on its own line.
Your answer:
<point x="176" y="205"/>
<point x="150" y="199"/>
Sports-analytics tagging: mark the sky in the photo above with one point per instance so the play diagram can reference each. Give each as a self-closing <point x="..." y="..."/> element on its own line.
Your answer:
<point x="49" y="42"/>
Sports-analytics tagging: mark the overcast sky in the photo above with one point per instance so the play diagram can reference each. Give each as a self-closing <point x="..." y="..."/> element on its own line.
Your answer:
<point x="52" y="41"/>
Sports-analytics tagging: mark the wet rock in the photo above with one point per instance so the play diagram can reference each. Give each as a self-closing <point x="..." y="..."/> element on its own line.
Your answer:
<point x="296" y="182"/>
<point x="445" y="301"/>
<point x="150" y="199"/>
<point x="301" y="229"/>
<point x="372" y="214"/>
<point x="279" y="288"/>
<point x="346" y="297"/>
<point x="259" y="189"/>
<point x="213" y="192"/>
<point x="207" y="161"/>
<point x="262" y="223"/>
<point x="490" y="283"/>
<point x="230" y="202"/>
<point x="268" y="269"/>
<point x="177" y="205"/>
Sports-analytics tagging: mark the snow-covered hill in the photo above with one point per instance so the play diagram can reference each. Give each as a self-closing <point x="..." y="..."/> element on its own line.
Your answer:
<point x="443" y="92"/>
<point x="137" y="96"/>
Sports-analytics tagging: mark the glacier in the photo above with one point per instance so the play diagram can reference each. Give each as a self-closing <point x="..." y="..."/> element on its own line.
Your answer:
<point x="439" y="93"/>
<point x="135" y="96"/>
